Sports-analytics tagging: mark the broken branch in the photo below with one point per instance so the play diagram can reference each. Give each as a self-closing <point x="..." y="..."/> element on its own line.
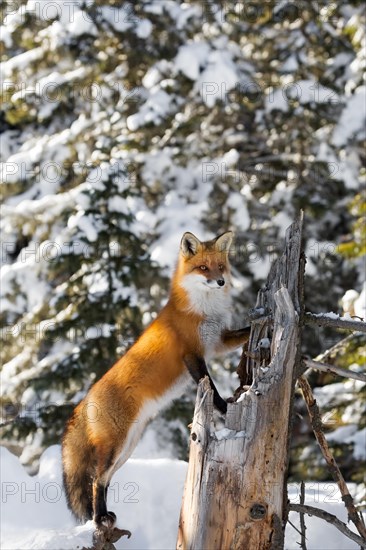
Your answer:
<point x="316" y="423"/>
<point x="324" y="367"/>
<point x="330" y="518"/>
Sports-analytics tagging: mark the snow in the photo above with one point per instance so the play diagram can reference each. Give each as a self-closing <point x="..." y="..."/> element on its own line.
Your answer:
<point x="157" y="107"/>
<point x="283" y="221"/>
<point x="153" y="75"/>
<point x="11" y="368"/>
<point x="231" y="157"/>
<point x="351" y="434"/>
<point x="264" y="343"/>
<point x="326" y="396"/>
<point x="145" y="493"/>
<point x="144" y="28"/>
<point x="19" y="62"/>
<point x="241" y="218"/>
<point x="85" y="223"/>
<point x="360" y="304"/>
<point x="348" y="300"/>
<point x="97" y="283"/>
<point x="54" y="79"/>
<point x="301" y="91"/>
<point x="23" y="165"/>
<point x="259" y="264"/>
<point x="180" y="217"/>
<point x="180" y="13"/>
<point x="24" y="273"/>
<point x="346" y="316"/>
<point x="329" y="315"/>
<point x="218" y="78"/>
<point x="316" y="251"/>
<point x="120" y="18"/>
<point x="146" y="496"/>
<point x="82" y="24"/>
<point x="191" y="58"/>
<point x="352" y="120"/>
<point x="225" y="433"/>
<point x="118" y="204"/>
<point x="319" y="535"/>
<point x="14" y="372"/>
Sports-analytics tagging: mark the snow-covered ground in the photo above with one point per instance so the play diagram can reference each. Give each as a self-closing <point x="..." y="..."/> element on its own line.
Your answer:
<point x="146" y="495"/>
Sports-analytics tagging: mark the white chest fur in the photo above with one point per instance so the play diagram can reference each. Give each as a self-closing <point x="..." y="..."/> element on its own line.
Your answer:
<point x="214" y="305"/>
<point x="210" y="334"/>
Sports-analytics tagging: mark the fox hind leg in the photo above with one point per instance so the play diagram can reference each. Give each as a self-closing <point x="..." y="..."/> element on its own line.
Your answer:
<point x="101" y="515"/>
<point x="109" y="458"/>
<point x="101" y="479"/>
<point x="105" y="520"/>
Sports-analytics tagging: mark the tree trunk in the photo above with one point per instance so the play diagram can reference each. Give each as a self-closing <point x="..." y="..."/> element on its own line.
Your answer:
<point x="235" y="493"/>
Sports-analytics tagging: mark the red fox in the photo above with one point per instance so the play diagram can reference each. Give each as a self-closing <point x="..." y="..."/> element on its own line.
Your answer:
<point x="106" y="426"/>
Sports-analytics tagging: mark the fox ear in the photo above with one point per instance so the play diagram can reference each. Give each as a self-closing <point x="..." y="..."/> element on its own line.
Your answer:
<point x="223" y="242"/>
<point x="189" y="244"/>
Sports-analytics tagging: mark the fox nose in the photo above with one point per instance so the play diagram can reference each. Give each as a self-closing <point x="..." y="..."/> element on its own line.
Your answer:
<point x="220" y="282"/>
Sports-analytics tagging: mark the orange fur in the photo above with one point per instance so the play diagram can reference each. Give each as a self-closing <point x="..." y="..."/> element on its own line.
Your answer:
<point x="106" y="425"/>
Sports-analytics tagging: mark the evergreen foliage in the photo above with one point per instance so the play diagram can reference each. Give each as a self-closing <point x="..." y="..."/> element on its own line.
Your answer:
<point x="125" y="124"/>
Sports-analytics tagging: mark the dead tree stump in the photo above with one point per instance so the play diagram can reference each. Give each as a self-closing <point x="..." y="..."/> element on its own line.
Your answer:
<point x="235" y="493"/>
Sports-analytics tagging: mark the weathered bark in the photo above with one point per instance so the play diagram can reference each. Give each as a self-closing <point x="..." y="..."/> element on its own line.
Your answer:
<point x="235" y="495"/>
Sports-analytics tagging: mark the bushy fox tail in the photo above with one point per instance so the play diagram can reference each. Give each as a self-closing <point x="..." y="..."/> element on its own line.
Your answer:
<point x="77" y="464"/>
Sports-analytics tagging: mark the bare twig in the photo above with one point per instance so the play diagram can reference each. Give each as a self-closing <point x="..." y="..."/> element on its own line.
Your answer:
<point x="330" y="518"/>
<point x="294" y="527"/>
<point x="329" y="458"/>
<point x="302" y="518"/>
<point x="338" y="322"/>
<point x="324" y="367"/>
<point x="336" y="349"/>
<point x="7" y="422"/>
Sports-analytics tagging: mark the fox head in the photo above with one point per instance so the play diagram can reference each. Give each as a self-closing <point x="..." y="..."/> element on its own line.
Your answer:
<point x="205" y="264"/>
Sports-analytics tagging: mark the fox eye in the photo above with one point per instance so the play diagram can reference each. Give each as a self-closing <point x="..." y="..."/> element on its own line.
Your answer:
<point x="221" y="267"/>
<point x="203" y="267"/>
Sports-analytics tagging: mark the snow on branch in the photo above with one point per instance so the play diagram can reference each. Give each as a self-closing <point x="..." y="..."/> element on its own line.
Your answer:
<point x="324" y="367"/>
<point x="334" y="320"/>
